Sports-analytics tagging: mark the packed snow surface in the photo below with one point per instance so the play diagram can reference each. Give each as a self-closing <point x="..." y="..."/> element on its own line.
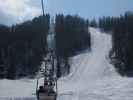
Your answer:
<point x="92" y="77"/>
<point x="17" y="89"/>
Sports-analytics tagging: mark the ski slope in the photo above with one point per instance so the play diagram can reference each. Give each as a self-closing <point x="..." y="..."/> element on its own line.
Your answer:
<point x="92" y="77"/>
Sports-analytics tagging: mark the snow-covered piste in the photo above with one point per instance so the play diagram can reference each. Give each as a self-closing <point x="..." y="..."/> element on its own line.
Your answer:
<point x="92" y="77"/>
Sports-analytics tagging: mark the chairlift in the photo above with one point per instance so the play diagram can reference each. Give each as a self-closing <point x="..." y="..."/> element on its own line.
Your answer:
<point x="47" y="91"/>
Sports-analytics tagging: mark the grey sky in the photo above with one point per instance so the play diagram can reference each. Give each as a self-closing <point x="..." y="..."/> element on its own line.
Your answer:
<point x="16" y="11"/>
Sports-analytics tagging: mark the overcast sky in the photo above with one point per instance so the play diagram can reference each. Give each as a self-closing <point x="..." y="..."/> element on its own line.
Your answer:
<point x="15" y="11"/>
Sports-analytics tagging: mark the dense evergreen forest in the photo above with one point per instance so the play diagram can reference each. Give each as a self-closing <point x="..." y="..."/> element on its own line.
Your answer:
<point x="72" y="36"/>
<point x="122" y="37"/>
<point x="23" y="46"/>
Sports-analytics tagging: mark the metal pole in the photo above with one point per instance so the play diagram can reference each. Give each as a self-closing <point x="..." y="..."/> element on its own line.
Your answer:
<point x="43" y="14"/>
<point x="36" y="86"/>
<point x="56" y="87"/>
<point x="42" y="7"/>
